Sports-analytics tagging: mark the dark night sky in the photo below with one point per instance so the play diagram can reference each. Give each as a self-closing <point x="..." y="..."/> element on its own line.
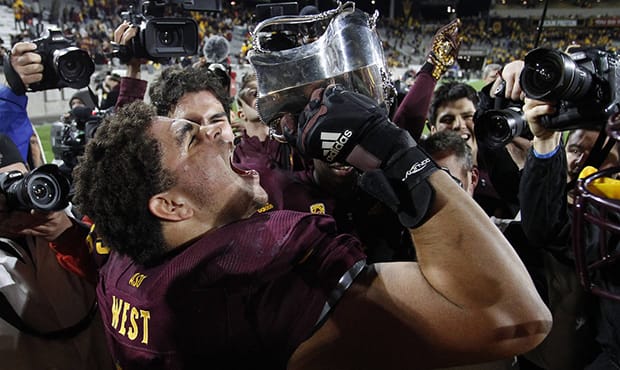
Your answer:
<point x="435" y="9"/>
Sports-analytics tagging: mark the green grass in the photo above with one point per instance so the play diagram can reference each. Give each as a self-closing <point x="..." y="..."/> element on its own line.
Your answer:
<point x="476" y="84"/>
<point x="44" y="134"/>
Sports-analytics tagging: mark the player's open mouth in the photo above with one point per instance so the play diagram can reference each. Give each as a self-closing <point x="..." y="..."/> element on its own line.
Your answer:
<point x="466" y="136"/>
<point x="341" y="168"/>
<point x="242" y="172"/>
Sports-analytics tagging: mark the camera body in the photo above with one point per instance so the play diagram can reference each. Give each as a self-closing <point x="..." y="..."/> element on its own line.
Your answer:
<point x="494" y="128"/>
<point x="584" y="82"/>
<point x="44" y="189"/>
<point x="64" y="64"/>
<point x="160" y="38"/>
<point x="70" y="135"/>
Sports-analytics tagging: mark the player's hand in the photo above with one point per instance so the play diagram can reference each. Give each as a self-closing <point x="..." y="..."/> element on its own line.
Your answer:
<point x="444" y="48"/>
<point x="338" y="125"/>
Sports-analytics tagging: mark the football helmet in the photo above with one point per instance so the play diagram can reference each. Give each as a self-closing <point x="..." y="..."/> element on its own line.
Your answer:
<point x="596" y="231"/>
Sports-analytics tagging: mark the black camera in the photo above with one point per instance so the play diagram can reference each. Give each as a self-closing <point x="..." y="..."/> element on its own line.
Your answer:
<point x="44" y="189"/>
<point x="494" y="128"/>
<point x="584" y="82"/>
<point x="64" y="64"/>
<point x="70" y="135"/>
<point x="160" y="38"/>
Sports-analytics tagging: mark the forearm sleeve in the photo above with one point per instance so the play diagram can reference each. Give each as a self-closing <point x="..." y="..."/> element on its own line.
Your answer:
<point x="412" y="111"/>
<point x="544" y="207"/>
<point x="131" y="89"/>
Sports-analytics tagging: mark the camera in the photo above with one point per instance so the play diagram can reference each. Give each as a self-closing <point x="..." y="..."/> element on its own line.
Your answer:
<point x="494" y="128"/>
<point x="160" y="38"/>
<point x="70" y="135"/>
<point x="44" y="189"/>
<point x="64" y="64"/>
<point x="584" y="82"/>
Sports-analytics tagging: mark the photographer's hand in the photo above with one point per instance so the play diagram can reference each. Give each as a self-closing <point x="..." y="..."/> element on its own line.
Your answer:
<point x="26" y="62"/>
<point x="510" y="74"/>
<point x="122" y="36"/>
<point x="518" y="149"/>
<point x="545" y="141"/>
<point x="48" y="226"/>
<point x="16" y="222"/>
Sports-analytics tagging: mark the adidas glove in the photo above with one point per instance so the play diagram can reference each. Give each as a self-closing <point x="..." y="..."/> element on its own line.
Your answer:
<point x="339" y="125"/>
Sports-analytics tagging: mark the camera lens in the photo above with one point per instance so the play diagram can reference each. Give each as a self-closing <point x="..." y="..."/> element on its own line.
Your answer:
<point x="44" y="189"/>
<point x="496" y="128"/>
<point x="167" y="37"/>
<point x="553" y="75"/>
<point x="74" y="66"/>
<point x="543" y="77"/>
<point x="43" y="192"/>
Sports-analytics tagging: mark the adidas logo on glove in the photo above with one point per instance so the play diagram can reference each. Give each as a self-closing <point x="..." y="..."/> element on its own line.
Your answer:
<point x="333" y="142"/>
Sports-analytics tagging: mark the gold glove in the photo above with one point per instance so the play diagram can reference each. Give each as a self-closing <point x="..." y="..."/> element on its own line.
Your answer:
<point x="444" y="48"/>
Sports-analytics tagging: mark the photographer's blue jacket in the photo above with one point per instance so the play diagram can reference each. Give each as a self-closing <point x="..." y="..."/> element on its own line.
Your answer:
<point x="14" y="121"/>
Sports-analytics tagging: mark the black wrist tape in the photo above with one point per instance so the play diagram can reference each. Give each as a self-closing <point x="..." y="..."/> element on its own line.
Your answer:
<point x="12" y="77"/>
<point x="402" y="185"/>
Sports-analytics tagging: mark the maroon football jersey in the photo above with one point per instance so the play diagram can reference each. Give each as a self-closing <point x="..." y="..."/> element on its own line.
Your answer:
<point x="243" y="296"/>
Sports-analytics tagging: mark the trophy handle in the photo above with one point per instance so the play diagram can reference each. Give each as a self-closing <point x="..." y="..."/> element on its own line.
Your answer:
<point x="348" y="7"/>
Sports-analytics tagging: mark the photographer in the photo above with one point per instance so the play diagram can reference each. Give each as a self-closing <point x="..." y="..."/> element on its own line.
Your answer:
<point x="69" y="135"/>
<point x="546" y="190"/>
<point x="49" y="62"/>
<point x="131" y="87"/>
<point x="48" y="315"/>
<point x="547" y="221"/>
<point x="16" y="124"/>
<point x="18" y="127"/>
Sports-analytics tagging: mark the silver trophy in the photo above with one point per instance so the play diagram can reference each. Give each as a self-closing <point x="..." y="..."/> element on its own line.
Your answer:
<point x="348" y="52"/>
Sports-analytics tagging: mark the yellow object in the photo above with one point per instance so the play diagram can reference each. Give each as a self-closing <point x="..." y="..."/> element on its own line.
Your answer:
<point x="603" y="186"/>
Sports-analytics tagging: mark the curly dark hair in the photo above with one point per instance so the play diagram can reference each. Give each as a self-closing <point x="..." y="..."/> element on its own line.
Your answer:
<point x="450" y="92"/>
<point x="176" y="81"/>
<point x="120" y="171"/>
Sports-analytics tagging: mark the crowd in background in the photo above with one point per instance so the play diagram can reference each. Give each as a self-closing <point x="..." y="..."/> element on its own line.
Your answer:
<point x="405" y="40"/>
<point x="516" y="207"/>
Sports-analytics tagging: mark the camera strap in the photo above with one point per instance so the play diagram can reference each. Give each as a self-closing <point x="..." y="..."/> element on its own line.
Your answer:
<point x="12" y="77"/>
<point x="12" y="248"/>
<point x="8" y="314"/>
<point x="600" y="150"/>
